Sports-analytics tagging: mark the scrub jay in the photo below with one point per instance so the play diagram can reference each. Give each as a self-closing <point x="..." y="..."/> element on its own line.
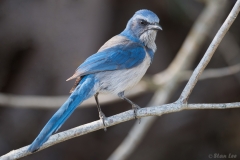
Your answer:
<point x="117" y="66"/>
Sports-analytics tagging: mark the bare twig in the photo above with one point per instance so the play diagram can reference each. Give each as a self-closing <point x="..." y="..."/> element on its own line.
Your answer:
<point x="56" y="101"/>
<point x="195" y="38"/>
<point x="209" y="53"/>
<point x="213" y="73"/>
<point x="113" y="120"/>
<point x="46" y="102"/>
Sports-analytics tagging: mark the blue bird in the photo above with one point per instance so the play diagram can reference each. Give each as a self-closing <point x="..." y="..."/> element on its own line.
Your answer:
<point x="117" y="66"/>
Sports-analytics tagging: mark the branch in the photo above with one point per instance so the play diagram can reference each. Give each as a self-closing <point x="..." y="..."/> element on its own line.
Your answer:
<point x="209" y="53"/>
<point x="195" y="38"/>
<point x="213" y="73"/>
<point x="113" y="120"/>
<point x="46" y="102"/>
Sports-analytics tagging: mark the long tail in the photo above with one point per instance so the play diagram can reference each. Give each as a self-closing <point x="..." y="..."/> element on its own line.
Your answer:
<point x="83" y="91"/>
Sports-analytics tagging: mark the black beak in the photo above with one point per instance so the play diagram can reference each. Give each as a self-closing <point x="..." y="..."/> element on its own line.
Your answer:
<point x="155" y="26"/>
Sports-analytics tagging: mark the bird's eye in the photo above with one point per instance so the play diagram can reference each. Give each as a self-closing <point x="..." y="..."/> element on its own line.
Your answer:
<point x="142" y="22"/>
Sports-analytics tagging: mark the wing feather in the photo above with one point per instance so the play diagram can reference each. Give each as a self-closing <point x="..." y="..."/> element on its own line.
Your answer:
<point x="122" y="54"/>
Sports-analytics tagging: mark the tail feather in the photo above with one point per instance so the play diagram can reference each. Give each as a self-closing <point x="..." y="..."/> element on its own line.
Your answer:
<point x="83" y="91"/>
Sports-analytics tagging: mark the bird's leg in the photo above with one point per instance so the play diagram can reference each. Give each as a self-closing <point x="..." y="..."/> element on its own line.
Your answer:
<point x="134" y="106"/>
<point x="101" y="114"/>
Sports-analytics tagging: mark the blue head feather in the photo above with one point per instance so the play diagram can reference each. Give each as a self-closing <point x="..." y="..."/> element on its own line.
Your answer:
<point x="134" y="29"/>
<point x="147" y="15"/>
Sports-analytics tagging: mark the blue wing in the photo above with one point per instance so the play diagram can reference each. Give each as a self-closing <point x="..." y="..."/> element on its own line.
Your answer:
<point x="118" y="53"/>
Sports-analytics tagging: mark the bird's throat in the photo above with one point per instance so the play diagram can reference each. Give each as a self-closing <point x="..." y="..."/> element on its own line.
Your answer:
<point x="148" y="38"/>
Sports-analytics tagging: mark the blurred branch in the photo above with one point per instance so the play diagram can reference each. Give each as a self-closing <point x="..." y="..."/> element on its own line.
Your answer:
<point x="144" y="86"/>
<point x="209" y="53"/>
<point x="213" y="73"/>
<point x="113" y="120"/>
<point x="56" y="101"/>
<point x="170" y="77"/>
<point x="230" y="51"/>
<point x="197" y="35"/>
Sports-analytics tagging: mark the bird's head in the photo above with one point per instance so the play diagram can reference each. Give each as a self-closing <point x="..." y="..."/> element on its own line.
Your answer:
<point x="143" y="26"/>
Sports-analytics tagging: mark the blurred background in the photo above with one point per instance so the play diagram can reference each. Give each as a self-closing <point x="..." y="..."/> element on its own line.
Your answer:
<point x="43" y="42"/>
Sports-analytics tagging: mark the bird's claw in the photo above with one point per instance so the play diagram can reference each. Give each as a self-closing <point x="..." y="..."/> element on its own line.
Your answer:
<point x="135" y="108"/>
<point x="103" y="118"/>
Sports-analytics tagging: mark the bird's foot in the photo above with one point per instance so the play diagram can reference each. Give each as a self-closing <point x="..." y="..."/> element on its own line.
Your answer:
<point x="135" y="108"/>
<point x="103" y="118"/>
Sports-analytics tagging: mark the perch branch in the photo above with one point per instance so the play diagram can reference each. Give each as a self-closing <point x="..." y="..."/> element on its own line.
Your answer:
<point x="113" y="120"/>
